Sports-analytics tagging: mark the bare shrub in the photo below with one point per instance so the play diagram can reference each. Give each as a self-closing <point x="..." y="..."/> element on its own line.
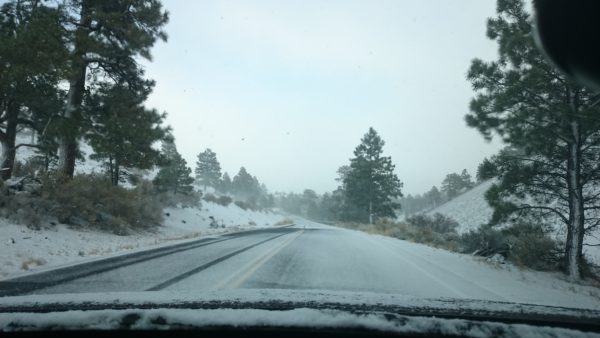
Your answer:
<point x="24" y="208"/>
<point x="224" y="200"/>
<point x="187" y="200"/>
<point x="33" y="166"/>
<point x="523" y="244"/>
<point x="32" y="262"/>
<point x="210" y="198"/>
<point x="438" y="223"/>
<point x="242" y="205"/>
<point x="285" y="221"/>
<point x="92" y="200"/>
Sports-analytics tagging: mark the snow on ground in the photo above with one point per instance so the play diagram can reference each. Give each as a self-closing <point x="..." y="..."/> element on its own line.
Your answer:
<point x="23" y="249"/>
<point x="470" y="277"/>
<point x="471" y="210"/>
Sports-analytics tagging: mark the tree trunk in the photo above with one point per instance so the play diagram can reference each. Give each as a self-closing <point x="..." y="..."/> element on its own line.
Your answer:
<point x="68" y="146"/>
<point x="110" y="168"/>
<point x="575" y="230"/>
<point x="116" y="175"/>
<point x="8" y="139"/>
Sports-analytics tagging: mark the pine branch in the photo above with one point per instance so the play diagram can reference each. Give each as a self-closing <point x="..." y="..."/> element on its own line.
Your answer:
<point x="550" y="209"/>
<point x="27" y="145"/>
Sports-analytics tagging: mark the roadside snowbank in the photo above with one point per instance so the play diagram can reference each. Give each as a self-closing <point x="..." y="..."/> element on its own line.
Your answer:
<point x="23" y="249"/>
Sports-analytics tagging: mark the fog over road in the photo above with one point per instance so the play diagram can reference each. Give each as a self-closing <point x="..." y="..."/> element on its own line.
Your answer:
<point x="314" y="256"/>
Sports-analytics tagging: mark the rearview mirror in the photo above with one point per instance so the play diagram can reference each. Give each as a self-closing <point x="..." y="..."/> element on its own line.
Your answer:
<point x="568" y="31"/>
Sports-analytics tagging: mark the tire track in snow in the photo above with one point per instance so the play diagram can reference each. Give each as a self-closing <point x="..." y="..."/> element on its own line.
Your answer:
<point x="205" y="266"/>
<point x="239" y="277"/>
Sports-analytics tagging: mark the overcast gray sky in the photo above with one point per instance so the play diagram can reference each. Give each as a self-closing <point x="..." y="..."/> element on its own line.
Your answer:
<point x="288" y="88"/>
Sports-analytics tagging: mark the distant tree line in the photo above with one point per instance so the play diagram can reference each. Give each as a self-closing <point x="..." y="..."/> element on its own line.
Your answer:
<point x="176" y="176"/>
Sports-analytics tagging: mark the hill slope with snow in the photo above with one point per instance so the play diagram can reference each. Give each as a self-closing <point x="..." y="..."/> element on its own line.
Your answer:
<point x="471" y="210"/>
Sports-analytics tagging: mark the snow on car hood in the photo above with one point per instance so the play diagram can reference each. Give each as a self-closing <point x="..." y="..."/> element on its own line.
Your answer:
<point x="289" y="308"/>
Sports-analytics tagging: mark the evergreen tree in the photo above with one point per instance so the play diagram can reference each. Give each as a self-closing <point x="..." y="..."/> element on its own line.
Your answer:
<point x="245" y="185"/>
<point x="225" y="184"/>
<point x="122" y="130"/>
<point x="371" y="184"/>
<point x="31" y="62"/>
<point x="104" y="39"/>
<point x="309" y="203"/>
<point x="466" y="179"/>
<point x="486" y="170"/>
<point x="343" y="172"/>
<point x="452" y="185"/>
<point x="433" y="197"/>
<point x="208" y="169"/>
<point x="551" y="125"/>
<point x="175" y="175"/>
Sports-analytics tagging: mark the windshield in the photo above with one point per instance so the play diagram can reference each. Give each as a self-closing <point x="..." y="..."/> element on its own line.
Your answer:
<point x="423" y="149"/>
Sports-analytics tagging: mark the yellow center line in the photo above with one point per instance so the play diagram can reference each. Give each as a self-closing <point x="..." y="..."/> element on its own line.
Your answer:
<point x="236" y="280"/>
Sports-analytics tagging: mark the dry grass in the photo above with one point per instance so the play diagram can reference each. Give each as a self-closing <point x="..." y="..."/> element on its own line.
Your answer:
<point x="32" y="262"/>
<point x="285" y="221"/>
<point x="186" y="236"/>
<point x="405" y="231"/>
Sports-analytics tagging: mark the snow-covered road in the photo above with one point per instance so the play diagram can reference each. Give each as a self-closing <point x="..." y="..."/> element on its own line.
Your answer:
<point x="319" y="257"/>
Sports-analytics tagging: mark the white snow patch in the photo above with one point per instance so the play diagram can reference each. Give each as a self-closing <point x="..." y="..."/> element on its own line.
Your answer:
<point x="470" y="209"/>
<point x="23" y="250"/>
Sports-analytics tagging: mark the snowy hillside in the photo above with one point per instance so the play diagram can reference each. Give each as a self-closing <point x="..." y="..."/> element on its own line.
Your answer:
<point x="471" y="210"/>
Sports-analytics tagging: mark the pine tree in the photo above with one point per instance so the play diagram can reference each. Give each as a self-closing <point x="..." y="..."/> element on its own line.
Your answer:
<point x="551" y="125"/>
<point x="486" y="170"/>
<point x="309" y="203"/>
<point x="452" y="185"/>
<point x="122" y="130"/>
<point x="245" y="185"/>
<point x="433" y="197"/>
<point x="467" y="182"/>
<point x="208" y="169"/>
<point x="225" y="184"/>
<point x="105" y="38"/>
<point x="31" y="61"/>
<point x="175" y="175"/>
<point x="371" y="184"/>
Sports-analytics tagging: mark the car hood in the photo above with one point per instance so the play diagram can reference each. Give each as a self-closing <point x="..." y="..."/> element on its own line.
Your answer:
<point x="287" y="308"/>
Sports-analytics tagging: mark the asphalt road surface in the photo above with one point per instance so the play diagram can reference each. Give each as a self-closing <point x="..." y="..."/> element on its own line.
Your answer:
<point x="303" y="256"/>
